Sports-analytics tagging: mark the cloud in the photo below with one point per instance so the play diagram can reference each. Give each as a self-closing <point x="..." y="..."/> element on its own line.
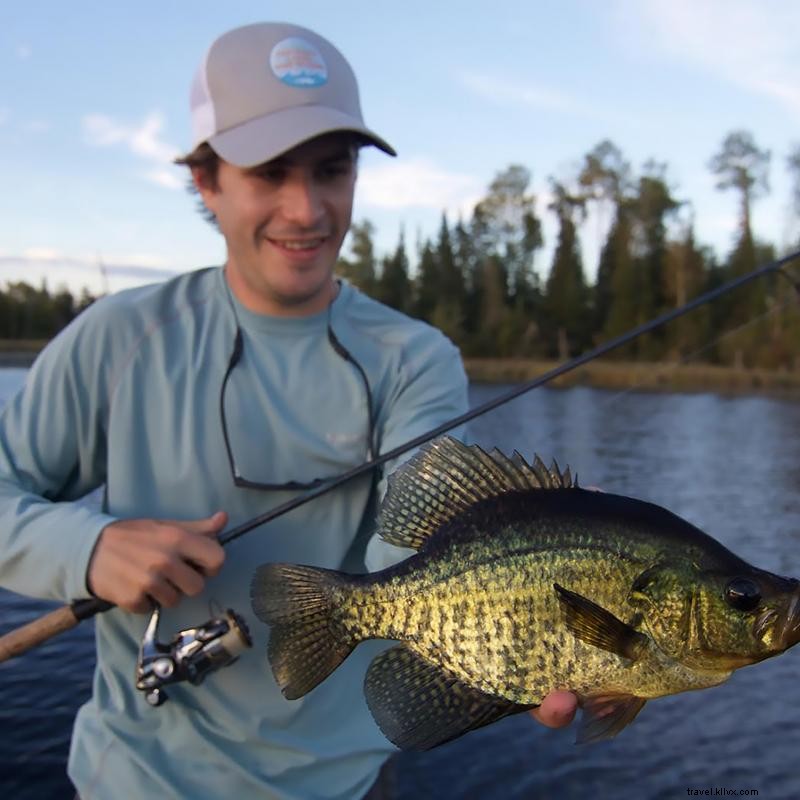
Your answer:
<point x="36" y="126"/>
<point x="753" y="45"/>
<point x="165" y="178"/>
<point x="503" y="92"/>
<point x="417" y="183"/>
<point x="140" y="266"/>
<point x="41" y="254"/>
<point x="143" y="140"/>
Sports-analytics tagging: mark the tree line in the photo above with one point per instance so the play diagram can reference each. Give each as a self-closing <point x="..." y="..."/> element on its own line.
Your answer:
<point x="476" y="279"/>
<point x="27" y="312"/>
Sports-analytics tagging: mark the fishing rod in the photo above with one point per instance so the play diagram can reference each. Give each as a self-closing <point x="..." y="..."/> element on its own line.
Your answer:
<point x="62" y="619"/>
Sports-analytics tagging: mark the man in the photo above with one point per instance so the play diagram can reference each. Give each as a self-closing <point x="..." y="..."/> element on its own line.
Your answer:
<point x="207" y="400"/>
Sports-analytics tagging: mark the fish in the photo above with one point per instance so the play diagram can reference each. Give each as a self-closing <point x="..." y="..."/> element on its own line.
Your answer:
<point x="523" y="583"/>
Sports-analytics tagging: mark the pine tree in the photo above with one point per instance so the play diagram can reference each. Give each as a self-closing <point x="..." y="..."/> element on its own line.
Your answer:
<point x="740" y="165"/>
<point x="623" y="309"/>
<point x="651" y="207"/>
<point x="359" y="268"/>
<point x="686" y="275"/>
<point x="448" y="312"/>
<point x="605" y="178"/>
<point x="427" y="283"/>
<point x="566" y="302"/>
<point x="394" y="286"/>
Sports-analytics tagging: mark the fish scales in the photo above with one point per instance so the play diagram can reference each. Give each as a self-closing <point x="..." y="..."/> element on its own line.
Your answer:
<point x="523" y="584"/>
<point x="493" y="624"/>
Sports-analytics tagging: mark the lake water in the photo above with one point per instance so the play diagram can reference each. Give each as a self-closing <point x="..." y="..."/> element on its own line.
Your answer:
<point x="729" y="465"/>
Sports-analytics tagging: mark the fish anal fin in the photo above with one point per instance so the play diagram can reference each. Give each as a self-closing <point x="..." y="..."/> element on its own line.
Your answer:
<point x="604" y="716"/>
<point x="419" y="706"/>
<point x="594" y="625"/>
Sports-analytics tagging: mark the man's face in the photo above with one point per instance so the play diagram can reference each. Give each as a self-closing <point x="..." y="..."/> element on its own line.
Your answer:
<point x="284" y="222"/>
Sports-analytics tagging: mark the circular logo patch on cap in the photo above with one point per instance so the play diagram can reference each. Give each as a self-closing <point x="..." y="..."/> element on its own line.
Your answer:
<point x="298" y="63"/>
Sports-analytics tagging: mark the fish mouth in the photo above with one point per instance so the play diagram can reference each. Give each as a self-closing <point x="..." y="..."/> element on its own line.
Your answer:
<point x="787" y="630"/>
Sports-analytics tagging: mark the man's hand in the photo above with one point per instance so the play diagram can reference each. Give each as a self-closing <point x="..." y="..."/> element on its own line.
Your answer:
<point x="557" y="709"/>
<point x="140" y="561"/>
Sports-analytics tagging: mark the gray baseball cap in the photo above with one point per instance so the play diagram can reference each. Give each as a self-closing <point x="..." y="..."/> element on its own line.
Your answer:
<point x="263" y="89"/>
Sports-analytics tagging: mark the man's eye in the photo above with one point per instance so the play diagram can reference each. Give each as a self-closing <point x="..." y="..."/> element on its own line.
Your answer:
<point x="270" y="174"/>
<point x="335" y="170"/>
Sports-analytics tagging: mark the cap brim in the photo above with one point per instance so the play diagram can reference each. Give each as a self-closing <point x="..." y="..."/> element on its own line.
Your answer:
<point x="268" y="137"/>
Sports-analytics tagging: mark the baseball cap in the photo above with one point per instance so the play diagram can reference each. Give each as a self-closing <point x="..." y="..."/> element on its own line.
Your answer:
<point x="263" y="89"/>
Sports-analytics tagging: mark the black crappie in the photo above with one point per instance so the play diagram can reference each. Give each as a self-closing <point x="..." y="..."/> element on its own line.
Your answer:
<point x="523" y="583"/>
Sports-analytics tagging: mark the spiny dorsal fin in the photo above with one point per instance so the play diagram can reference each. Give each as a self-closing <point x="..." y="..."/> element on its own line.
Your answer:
<point x="445" y="478"/>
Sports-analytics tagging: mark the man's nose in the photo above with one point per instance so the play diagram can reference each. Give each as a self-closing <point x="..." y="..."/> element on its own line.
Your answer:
<point x="302" y="203"/>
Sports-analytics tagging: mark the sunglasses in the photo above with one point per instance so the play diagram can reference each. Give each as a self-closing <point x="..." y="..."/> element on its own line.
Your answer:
<point x="244" y="483"/>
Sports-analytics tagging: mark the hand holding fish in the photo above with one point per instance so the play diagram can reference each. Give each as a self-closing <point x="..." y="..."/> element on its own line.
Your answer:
<point x="138" y="562"/>
<point x="557" y="710"/>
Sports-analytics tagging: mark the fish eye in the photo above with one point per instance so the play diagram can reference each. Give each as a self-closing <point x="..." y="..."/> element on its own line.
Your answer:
<point x="743" y="594"/>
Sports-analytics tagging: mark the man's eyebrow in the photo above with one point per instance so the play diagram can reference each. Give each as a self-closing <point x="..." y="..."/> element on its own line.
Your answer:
<point x="345" y="154"/>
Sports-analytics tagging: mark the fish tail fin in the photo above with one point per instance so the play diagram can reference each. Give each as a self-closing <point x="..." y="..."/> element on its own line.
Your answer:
<point x="304" y="648"/>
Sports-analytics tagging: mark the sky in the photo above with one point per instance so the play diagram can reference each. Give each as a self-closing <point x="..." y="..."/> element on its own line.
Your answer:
<point x="94" y="107"/>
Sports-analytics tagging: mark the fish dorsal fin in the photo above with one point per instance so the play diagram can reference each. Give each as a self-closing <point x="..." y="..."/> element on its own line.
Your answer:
<point x="445" y="478"/>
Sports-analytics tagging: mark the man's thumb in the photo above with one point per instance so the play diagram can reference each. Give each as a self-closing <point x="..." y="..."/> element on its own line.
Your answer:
<point x="209" y="526"/>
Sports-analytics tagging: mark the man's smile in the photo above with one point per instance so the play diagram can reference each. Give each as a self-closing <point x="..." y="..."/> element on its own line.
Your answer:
<point x="298" y="245"/>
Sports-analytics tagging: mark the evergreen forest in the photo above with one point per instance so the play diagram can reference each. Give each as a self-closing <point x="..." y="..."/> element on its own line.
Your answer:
<point x="476" y="280"/>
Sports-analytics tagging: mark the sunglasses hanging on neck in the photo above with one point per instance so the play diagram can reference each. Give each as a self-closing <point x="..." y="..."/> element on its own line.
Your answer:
<point x="244" y="483"/>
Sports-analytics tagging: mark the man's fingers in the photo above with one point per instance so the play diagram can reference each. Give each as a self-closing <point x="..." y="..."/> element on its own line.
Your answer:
<point x="135" y="560"/>
<point x="557" y="709"/>
<point x="187" y="577"/>
<point x="204" y="555"/>
<point x="200" y="549"/>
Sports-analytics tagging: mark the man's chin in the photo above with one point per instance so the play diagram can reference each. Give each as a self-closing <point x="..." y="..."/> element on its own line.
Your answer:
<point x="304" y="297"/>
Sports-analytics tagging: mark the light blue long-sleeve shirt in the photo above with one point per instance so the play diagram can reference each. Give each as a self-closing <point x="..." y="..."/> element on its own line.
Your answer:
<point x="128" y="397"/>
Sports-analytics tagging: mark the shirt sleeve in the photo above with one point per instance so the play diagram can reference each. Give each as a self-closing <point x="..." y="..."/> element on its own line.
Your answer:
<point x="52" y="453"/>
<point x="431" y="391"/>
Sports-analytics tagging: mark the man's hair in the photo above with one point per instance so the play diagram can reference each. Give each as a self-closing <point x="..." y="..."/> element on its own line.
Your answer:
<point x="204" y="158"/>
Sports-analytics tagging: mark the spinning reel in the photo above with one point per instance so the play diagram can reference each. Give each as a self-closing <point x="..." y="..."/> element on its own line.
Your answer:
<point x="192" y="654"/>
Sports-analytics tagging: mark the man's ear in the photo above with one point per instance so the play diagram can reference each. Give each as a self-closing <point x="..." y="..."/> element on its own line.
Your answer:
<point x="205" y="183"/>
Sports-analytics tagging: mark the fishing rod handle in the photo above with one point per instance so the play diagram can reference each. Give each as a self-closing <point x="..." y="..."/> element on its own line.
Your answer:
<point x="20" y="640"/>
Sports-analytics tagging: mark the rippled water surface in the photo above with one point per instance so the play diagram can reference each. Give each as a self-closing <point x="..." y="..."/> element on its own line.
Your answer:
<point x="729" y="465"/>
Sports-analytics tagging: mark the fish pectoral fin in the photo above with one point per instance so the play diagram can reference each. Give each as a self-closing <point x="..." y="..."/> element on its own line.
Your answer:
<point x="418" y="705"/>
<point x="605" y="716"/>
<point x="594" y="625"/>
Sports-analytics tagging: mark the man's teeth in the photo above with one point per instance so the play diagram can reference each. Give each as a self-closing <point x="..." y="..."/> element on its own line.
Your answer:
<point x="305" y="244"/>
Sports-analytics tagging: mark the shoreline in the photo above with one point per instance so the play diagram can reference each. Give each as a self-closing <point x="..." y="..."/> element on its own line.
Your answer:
<point x="20" y="359"/>
<point x="642" y="376"/>
<point x="614" y="375"/>
<point x="19" y="354"/>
